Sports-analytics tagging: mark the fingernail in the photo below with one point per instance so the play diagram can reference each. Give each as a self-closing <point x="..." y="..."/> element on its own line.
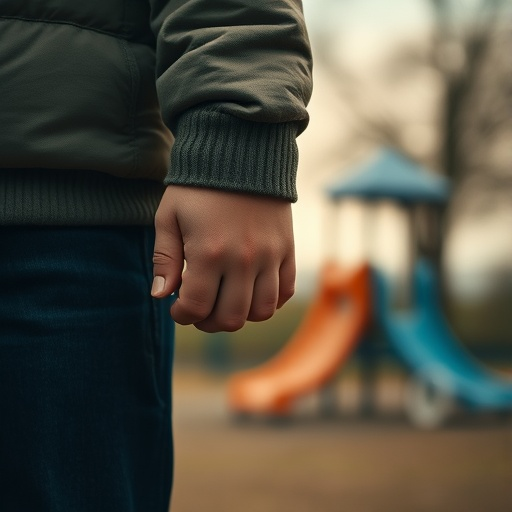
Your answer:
<point x="158" y="285"/>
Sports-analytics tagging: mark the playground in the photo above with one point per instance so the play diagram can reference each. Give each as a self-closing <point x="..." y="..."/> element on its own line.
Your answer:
<point x="340" y="464"/>
<point x="361" y="304"/>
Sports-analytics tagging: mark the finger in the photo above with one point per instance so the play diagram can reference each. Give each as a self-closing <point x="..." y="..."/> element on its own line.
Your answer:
<point x="286" y="281"/>
<point x="264" y="297"/>
<point x="198" y="292"/>
<point x="167" y="256"/>
<point x="232" y="304"/>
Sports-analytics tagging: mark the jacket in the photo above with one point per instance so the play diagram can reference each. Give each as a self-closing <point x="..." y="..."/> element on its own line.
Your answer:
<point x="105" y="101"/>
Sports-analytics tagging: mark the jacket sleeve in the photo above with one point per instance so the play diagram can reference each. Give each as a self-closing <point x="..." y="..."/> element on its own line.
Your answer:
<point x="233" y="82"/>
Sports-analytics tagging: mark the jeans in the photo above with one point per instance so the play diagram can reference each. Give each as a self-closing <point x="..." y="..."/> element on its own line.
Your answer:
<point x="85" y="372"/>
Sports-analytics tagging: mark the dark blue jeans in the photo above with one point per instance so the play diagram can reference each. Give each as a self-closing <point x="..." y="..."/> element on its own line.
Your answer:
<point x="85" y="372"/>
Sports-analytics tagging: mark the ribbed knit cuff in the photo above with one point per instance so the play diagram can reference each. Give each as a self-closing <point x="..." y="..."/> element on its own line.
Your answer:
<point x="217" y="150"/>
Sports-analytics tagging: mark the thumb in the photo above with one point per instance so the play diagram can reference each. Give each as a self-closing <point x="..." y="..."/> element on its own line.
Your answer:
<point x="167" y="256"/>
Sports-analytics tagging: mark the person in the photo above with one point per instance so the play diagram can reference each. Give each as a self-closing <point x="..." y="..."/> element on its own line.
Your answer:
<point x="144" y="145"/>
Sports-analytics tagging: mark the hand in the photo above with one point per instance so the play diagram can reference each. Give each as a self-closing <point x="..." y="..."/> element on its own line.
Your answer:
<point x="239" y="254"/>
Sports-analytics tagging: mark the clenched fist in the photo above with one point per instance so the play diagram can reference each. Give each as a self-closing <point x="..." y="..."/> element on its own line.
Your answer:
<point x="237" y="251"/>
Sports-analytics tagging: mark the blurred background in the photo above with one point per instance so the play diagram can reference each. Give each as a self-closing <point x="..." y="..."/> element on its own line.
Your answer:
<point x="430" y="80"/>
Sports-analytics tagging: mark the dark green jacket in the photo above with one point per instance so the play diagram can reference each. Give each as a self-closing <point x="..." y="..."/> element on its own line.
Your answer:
<point x="90" y="92"/>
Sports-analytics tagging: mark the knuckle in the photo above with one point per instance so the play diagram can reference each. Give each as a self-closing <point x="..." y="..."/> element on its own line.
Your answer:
<point x="271" y="250"/>
<point x="264" y="308"/>
<point x="263" y="313"/>
<point x="232" y="324"/>
<point x="191" y="309"/>
<point x="214" y="253"/>
<point x="246" y="256"/>
<point x="161" y="258"/>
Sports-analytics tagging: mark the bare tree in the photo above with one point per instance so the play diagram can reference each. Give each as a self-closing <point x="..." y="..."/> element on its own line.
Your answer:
<point x="474" y="59"/>
<point x="472" y="55"/>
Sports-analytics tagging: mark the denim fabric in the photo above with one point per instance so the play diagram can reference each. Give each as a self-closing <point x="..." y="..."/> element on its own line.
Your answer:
<point x="85" y="372"/>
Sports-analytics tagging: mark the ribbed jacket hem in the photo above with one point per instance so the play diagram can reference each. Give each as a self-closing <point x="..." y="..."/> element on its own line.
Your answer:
<point x="74" y="197"/>
<point x="217" y="150"/>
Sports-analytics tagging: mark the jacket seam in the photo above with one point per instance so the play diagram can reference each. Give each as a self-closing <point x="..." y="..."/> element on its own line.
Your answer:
<point x="69" y="23"/>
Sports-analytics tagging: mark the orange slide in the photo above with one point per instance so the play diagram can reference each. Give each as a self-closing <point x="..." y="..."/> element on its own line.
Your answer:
<point x="330" y="331"/>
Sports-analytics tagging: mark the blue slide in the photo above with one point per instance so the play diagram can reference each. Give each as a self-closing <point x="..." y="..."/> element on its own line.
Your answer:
<point x="423" y="340"/>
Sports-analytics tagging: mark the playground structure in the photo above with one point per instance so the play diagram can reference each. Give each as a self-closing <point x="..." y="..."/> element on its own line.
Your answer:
<point x="443" y="373"/>
<point x="443" y="370"/>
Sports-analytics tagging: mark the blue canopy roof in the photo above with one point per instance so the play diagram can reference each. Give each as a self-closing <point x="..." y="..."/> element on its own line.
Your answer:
<point x="391" y="175"/>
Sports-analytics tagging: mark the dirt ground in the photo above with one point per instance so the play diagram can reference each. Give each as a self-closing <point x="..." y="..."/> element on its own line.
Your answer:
<point x="342" y="464"/>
